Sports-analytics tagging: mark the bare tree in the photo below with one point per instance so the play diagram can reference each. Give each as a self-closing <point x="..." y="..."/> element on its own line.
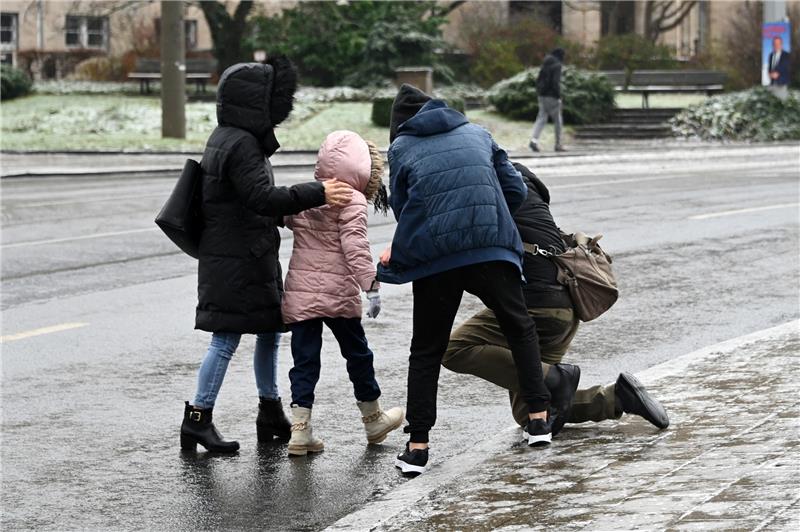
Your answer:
<point x="227" y="31"/>
<point x="663" y="15"/>
<point x="446" y="9"/>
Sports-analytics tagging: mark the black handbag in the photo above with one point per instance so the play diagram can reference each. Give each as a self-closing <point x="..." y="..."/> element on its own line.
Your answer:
<point x="180" y="218"/>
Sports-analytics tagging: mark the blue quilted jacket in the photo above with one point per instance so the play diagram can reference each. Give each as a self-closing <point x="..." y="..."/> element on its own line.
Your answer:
<point x="452" y="192"/>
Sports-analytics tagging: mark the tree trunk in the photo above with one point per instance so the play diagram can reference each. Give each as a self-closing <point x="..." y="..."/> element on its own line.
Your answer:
<point x="227" y="32"/>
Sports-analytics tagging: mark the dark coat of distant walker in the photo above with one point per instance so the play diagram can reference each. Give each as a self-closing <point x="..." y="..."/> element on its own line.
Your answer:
<point x="548" y="82"/>
<point x="239" y="278"/>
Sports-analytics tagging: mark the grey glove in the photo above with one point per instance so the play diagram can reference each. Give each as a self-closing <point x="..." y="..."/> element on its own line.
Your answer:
<point x="374" y="299"/>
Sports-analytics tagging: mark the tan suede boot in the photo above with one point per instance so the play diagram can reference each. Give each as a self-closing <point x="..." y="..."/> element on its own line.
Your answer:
<point x="303" y="441"/>
<point x="378" y="423"/>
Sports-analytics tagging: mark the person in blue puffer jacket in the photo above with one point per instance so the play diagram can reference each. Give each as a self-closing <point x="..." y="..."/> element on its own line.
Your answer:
<point x="453" y="191"/>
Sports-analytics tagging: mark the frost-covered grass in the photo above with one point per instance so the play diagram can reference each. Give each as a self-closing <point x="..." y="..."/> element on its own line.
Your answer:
<point x="118" y="122"/>
<point x="89" y="87"/>
<point x="89" y="122"/>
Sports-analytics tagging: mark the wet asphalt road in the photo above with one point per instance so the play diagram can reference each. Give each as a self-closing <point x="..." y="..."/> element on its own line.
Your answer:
<point x="91" y="413"/>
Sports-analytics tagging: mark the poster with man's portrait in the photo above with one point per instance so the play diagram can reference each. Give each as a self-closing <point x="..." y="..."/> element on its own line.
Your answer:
<point x="775" y="62"/>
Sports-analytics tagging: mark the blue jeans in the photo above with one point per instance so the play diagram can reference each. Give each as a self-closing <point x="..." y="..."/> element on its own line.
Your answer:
<point x="306" y="347"/>
<point x="215" y="364"/>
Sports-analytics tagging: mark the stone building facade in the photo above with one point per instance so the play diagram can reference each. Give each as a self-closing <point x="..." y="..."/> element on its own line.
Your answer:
<point x="48" y="37"/>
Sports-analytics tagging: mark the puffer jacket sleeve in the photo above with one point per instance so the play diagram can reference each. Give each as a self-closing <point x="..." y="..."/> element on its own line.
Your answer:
<point x="249" y="175"/>
<point x="556" y="80"/>
<point x="398" y="194"/>
<point x="355" y="244"/>
<point x="514" y="189"/>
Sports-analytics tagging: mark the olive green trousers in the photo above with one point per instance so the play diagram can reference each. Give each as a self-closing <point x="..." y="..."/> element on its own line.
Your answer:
<point x="478" y="347"/>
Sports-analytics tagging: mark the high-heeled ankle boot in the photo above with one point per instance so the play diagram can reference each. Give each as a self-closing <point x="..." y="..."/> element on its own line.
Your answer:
<point x="272" y="421"/>
<point x="198" y="427"/>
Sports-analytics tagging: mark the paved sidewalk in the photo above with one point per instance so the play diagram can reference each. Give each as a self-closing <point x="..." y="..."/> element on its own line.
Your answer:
<point x="98" y="163"/>
<point x="729" y="461"/>
<point x="646" y="154"/>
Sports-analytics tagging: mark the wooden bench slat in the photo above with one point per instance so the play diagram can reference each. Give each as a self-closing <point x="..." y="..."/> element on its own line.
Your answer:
<point x="666" y="81"/>
<point x="197" y="70"/>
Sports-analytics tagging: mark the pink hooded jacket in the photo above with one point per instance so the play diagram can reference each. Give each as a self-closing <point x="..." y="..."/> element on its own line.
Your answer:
<point x="331" y="260"/>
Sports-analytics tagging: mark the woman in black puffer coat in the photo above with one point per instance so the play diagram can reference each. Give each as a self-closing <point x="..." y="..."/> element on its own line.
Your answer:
<point x="239" y="277"/>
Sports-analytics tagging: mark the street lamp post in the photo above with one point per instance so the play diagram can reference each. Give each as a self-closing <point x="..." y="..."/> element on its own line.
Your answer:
<point x="173" y="71"/>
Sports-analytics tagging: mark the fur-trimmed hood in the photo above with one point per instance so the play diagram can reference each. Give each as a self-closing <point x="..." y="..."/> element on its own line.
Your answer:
<point x="344" y="156"/>
<point x="257" y="97"/>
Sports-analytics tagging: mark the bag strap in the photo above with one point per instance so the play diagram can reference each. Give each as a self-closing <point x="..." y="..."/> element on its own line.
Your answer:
<point x="534" y="249"/>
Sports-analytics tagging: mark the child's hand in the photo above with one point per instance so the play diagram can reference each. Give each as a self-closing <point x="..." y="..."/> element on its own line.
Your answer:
<point x="386" y="255"/>
<point x="374" y="299"/>
<point x="337" y="194"/>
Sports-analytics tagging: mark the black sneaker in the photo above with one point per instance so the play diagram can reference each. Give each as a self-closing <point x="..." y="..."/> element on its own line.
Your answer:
<point x="412" y="462"/>
<point x="533" y="146"/>
<point x="538" y="432"/>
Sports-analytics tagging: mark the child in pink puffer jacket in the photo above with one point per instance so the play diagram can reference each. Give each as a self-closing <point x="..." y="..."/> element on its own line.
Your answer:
<point x="331" y="264"/>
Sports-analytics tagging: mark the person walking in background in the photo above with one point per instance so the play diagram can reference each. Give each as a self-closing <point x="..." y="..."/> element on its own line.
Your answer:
<point x="453" y="192"/>
<point x="331" y="264"/>
<point x="548" y="89"/>
<point x="478" y="346"/>
<point x="239" y="283"/>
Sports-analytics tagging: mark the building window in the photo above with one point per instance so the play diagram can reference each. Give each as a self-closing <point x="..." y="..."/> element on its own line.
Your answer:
<point x="189" y="33"/>
<point x="8" y="31"/>
<point x="86" y="32"/>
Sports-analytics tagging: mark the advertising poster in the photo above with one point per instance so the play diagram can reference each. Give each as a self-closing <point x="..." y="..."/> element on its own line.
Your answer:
<point x="776" y="47"/>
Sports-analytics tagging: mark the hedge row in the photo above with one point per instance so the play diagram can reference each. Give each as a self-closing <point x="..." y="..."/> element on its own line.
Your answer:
<point x="13" y="82"/>
<point x="755" y="115"/>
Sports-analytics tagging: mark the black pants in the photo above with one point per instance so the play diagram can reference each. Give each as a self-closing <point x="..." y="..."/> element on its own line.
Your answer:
<point x="436" y="302"/>
<point x="306" y="347"/>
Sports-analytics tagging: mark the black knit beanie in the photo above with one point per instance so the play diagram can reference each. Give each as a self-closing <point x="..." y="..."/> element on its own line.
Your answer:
<point x="407" y="103"/>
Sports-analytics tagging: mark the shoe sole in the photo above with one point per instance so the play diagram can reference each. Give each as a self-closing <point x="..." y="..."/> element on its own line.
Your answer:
<point x="266" y="435"/>
<point x="378" y="438"/>
<point x="190" y="444"/>
<point x="302" y="450"/>
<point x="409" y="469"/>
<point x="537" y="440"/>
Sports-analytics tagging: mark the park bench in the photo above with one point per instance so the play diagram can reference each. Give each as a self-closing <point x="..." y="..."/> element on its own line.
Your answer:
<point x="666" y="81"/>
<point x="198" y="71"/>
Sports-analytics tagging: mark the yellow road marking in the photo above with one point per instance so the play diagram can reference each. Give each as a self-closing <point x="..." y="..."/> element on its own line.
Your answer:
<point x="40" y="331"/>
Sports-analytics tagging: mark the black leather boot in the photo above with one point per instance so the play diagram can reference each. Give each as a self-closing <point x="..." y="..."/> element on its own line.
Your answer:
<point x="197" y="428"/>
<point x="562" y="382"/>
<point x="271" y="421"/>
<point x="632" y="398"/>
